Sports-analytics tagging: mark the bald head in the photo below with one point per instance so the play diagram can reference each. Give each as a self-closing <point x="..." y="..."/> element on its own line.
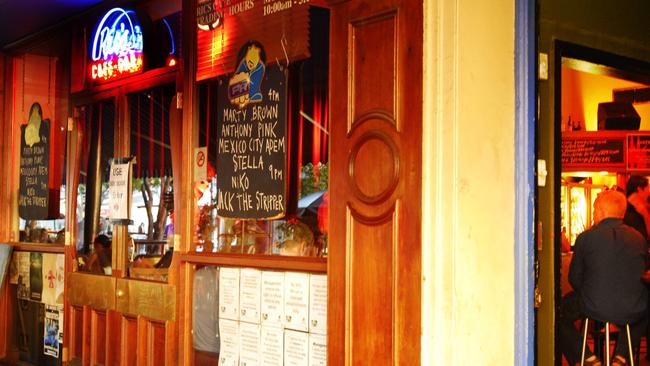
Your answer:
<point x="609" y="204"/>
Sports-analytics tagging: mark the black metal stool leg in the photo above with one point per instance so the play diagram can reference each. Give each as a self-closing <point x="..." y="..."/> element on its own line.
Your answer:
<point x="629" y="344"/>
<point x="584" y="342"/>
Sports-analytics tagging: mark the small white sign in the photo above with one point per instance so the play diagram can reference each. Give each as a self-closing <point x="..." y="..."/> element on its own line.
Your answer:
<point x="296" y="348"/>
<point x="318" y="304"/>
<point x="229" y="350"/>
<point x="249" y="295"/>
<point x="317" y="350"/>
<point x="119" y="188"/>
<point x="272" y="346"/>
<point x="296" y="301"/>
<point x="272" y="298"/>
<point x="249" y="344"/>
<point x="200" y="163"/>
<point x="229" y="293"/>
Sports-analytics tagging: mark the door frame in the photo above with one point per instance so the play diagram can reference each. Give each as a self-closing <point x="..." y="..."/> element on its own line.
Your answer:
<point x="525" y="190"/>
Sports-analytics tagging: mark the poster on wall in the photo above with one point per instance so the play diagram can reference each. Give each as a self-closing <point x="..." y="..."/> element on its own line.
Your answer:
<point x="51" y="332"/>
<point x="49" y="279"/>
<point x="35" y="276"/>
<point x="34" y="166"/>
<point x="252" y="138"/>
<point x="22" y="278"/>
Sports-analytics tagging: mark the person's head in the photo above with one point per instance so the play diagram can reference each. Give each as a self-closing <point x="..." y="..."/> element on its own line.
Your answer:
<point x="102" y="242"/>
<point x="639" y="185"/>
<point x="609" y="204"/>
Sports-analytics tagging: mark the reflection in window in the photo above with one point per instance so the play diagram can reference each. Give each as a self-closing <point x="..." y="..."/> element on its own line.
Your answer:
<point x="152" y="196"/>
<point x="94" y="231"/>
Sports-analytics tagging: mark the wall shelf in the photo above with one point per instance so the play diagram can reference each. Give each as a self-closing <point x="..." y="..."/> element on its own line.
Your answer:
<point x="303" y="264"/>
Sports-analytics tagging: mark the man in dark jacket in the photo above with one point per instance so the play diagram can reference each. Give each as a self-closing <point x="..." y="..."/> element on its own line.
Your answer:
<point x="608" y="261"/>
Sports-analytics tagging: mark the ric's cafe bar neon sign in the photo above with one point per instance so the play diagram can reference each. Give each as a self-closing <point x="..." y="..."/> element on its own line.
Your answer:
<point x="116" y="46"/>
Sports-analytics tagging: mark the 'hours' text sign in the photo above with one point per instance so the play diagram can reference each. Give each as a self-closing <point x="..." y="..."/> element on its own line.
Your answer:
<point x="34" y="166"/>
<point x="252" y="141"/>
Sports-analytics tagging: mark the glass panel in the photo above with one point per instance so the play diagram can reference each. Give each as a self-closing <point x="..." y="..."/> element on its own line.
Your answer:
<point x="94" y="230"/>
<point x="153" y="194"/>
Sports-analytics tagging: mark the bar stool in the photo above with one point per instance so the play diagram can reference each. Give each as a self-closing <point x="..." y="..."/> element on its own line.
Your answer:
<point x="584" y="343"/>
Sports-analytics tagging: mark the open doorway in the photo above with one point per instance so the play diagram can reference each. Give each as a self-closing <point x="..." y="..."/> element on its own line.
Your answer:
<point x="602" y="123"/>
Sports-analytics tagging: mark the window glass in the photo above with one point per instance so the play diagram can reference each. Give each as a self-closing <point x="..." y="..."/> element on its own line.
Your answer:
<point x="152" y="201"/>
<point x="94" y="229"/>
<point x="302" y="230"/>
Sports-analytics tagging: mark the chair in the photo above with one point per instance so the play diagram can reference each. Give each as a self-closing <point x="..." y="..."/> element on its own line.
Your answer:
<point x="607" y="358"/>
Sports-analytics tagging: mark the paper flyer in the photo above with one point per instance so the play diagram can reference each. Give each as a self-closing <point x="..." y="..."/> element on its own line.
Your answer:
<point x="249" y="344"/>
<point x="35" y="276"/>
<point x="272" y="298"/>
<point x="53" y="327"/>
<point x="13" y="268"/>
<point x="296" y="348"/>
<point x="229" y="293"/>
<point x="317" y="350"/>
<point x="318" y="304"/>
<point x="60" y="276"/>
<point x="23" y="281"/>
<point x="229" y="350"/>
<point x="249" y="295"/>
<point x="296" y="301"/>
<point x="49" y="279"/>
<point x="272" y="346"/>
<point x="120" y="191"/>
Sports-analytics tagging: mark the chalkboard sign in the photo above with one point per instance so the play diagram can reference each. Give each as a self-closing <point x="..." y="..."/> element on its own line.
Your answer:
<point x="593" y="151"/>
<point x="34" y="166"/>
<point x="252" y="139"/>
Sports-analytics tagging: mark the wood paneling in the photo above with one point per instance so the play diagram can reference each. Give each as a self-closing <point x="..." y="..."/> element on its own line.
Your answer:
<point x="375" y="194"/>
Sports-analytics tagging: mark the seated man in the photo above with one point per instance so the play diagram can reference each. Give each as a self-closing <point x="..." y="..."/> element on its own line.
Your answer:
<point x="608" y="261"/>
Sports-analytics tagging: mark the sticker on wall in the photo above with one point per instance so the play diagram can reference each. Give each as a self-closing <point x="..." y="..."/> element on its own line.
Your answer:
<point x="209" y="14"/>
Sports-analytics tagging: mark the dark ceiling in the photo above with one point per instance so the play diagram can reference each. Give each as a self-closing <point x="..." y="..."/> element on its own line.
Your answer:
<point x="20" y="18"/>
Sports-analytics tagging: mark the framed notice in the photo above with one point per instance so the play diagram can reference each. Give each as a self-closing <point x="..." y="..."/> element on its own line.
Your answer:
<point x="272" y="346"/>
<point x="229" y="293"/>
<point x="249" y="344"/>
<point x="249" y="295"/>
<point x="318" y="304"/>
<point x="272" y="298"/>
<point x="296" y="348"/>
<point x="229" y="349"/>
<point x="296" y="301"/>
<point x="317" y="350"/>
<point x="252" y="139"/>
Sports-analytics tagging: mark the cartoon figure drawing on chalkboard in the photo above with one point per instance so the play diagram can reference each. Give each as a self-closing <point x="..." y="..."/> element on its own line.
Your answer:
<point x="245" y="86"/>
<point x="32" y="131"/>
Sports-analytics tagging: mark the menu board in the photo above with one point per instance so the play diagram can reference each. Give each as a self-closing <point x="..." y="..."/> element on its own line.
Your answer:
<point x="34" y="166"/>
<point x="252" y="139"/>
<point x="638" y="152"/>
<point x="593" y="151"/>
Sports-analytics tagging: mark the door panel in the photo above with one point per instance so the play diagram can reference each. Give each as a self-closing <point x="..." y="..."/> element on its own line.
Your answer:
<point x="375" y="217"/>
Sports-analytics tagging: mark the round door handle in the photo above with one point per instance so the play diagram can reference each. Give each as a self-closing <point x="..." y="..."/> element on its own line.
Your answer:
<point x="120" y="293"/>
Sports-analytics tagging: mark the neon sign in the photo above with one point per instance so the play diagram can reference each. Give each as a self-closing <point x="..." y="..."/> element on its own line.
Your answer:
<point x="117" y="46"/>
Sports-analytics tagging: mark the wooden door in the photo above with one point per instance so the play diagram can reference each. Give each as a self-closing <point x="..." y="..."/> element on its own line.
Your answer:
<point x="375" y="243"/>
<point x="115" y="320"/>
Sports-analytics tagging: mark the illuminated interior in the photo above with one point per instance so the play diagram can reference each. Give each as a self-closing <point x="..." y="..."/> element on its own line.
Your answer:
<point x="584" y="86"/>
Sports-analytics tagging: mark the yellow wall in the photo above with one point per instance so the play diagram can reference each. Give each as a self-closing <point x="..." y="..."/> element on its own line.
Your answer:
<point x="582" y="91"/>
<point x="468" y="183"/>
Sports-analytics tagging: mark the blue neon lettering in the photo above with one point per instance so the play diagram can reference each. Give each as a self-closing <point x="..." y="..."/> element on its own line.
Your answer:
<point x="116" y="36"/>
